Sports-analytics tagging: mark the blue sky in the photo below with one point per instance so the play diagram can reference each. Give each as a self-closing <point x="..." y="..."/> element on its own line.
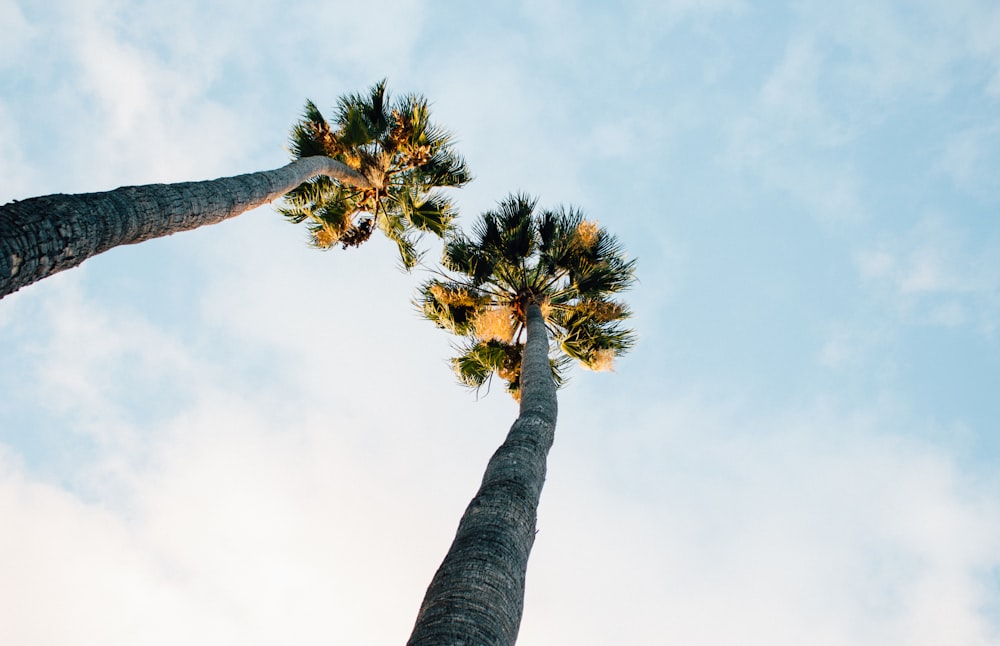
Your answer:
<point x="227" y="437"/>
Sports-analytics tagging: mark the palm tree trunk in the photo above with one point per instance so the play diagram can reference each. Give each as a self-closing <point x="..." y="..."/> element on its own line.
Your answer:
<point x="477" y="595"/>
<point x="43" y="235"/>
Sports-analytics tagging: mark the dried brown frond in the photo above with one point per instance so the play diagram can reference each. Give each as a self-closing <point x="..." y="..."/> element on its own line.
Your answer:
<point x="357" y="234"/>
<point x="401" y="131"/>
<point x="322" y="134"/>
<point x="495" y="324"/>
<point x="510" y="369"/>
<point x="418" y="155"/>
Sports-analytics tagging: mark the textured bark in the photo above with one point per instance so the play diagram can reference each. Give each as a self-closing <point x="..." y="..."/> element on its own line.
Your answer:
<point x="43" y="235"/>
<point x="477" y="595"/>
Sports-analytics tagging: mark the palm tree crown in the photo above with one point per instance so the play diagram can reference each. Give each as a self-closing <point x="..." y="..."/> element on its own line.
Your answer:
<point x="403" y="155"/>
<point x="516" y="256"/>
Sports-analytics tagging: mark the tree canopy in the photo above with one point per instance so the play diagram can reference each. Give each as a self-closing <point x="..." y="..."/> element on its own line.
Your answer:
<point x="517" y="254"/>
<point x="406" y="158"/>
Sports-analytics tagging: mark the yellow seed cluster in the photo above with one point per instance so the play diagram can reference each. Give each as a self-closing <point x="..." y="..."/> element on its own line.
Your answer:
<point x="325" y="237"/>
<point x="495" y="324"/>
<point x="602" y="310"/>
<point x="506" y="372"/>
<point x="546" y="307"/>
<point x="353" y="160"/>
<point x="452" y="297"/>
<point x="587" y="232"/>
<point x="602" y="361"/>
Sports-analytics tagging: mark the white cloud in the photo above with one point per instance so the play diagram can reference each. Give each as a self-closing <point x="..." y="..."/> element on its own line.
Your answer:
<point x="303" y="498"/>
<point x="17" y="32"/>
<point x="807" y="527"/>
<point x="970" y="159"/>
<point x="302" y="516"/>
<point x="936" y="274"/>
<point x="985" y="41"/>
<point x="842" y="77"/>
<point x="15" y="172"/>
<point x="303" y="455"/>
<point x="837" y="351"/>
<point x="875" y="264"/>
<point x="679" y="10"/>
<point x="789" y="136"/>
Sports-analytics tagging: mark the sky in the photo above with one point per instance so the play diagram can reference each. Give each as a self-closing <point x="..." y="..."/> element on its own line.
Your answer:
<point x="226" y="437"/>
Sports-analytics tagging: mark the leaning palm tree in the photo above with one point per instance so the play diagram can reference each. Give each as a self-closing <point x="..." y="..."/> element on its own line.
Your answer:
<point x="521" y="279"/>
<point x="378" y="157"/>
<point x="405" y="159"/>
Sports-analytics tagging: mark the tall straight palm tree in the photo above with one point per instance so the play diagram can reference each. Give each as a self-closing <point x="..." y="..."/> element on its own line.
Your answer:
<point x="522" y="278"/>
<point x="377" y="157"/>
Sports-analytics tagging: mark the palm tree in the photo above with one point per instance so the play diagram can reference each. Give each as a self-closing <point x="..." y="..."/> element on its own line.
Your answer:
<point x="379" y="158"/>
<point x="522" y="278"/>
<point x="405" y="159"/>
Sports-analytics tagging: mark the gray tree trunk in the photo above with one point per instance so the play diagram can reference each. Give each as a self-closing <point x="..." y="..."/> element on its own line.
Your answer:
<point x="43" y="235"/>
<point x="477" y="595"/>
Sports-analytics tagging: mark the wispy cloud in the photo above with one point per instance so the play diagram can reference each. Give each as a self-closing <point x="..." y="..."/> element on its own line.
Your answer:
<point x="936" y="274"/>
<point x="789" y="135"/>
<point x="970" y="158"/>
<point x="227" y="436"/>
<point x="810" y="526"/>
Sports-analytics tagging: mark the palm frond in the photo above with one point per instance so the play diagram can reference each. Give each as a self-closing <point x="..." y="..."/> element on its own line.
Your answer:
<point x="560" y="366"/>
<point x="597" y="310"/>
<point x="311" y="136"/>
<point x="608" y="277"/>
<point x="479" y="360"/>
<point x="431" y="213"/>
<point x="517" y="228"/>
<point x="376" y="109"/>
<point x="464" y="256"/>
<point x="594" y="344"/>
<point x="362" y="118"/>
<point x="443" y="168"/>
<point x="394" y="227"/>
<point x="451" y="306"/>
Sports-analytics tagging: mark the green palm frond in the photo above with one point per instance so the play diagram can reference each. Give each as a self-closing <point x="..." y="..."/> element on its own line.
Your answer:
<point x="486" y="234"/>
<point x="560" y="364"/>
<point x="514" y="255"/>
<point x="559" y="240"/>
<point x="396" y="229"/>
<point x="602" y="278"/>
<point x="479" y="360"/>
<point x="508" y="233"/>
<point x="589" y="342"/>
<point x="311" y="136"/>
<point x="406" y="158"/>
<point x="463" y="256"/>
<point x="304" y="198"/>
<point x="362" y="118"/>
<point x="432" y="213"/>
<point x="451" y="306"/>
<point x="443" y="168"/>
